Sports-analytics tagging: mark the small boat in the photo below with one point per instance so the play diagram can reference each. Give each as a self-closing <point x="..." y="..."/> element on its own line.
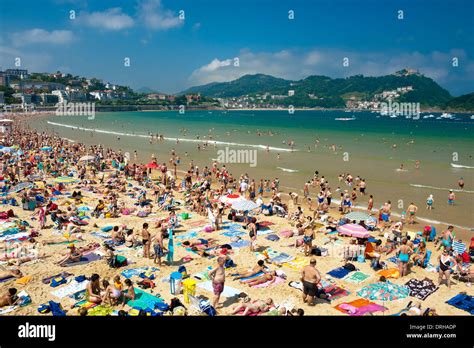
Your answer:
<point x="472" y="117"/>
<point x="345" y="119"/>
<point x="446" y="115"/>
<point x="429" y="116"/>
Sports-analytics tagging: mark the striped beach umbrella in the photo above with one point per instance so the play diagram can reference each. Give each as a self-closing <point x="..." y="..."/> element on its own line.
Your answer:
<point x="384" y="291"/>
<point x="244" y="205"/>
<point x="353" y="230"/>
<point x="231" y="198"/>
<point x="357" y="216"/>
<point x="65" y="180"/>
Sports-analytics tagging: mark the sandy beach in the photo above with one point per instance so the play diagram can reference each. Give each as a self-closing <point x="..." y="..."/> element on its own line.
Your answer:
<point x="278" y="290"/>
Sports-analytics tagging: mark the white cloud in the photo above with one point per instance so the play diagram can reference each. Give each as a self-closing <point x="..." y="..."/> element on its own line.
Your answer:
<point x="298" y="64"/>
<point x="156" y="17"/>
<point x="110" y="19"/>
<point x="33" y="36"/>
<point x="30" y="61"/>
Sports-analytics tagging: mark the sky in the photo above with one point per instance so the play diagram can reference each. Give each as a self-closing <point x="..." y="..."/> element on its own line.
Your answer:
<point x="175" y="44"/>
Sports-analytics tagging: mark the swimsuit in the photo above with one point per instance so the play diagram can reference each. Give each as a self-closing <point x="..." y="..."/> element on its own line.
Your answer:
<point x="403" y="257"/>
<point x="443" y="266"/>
<point x="309" y="288"/>
<point x="307" y="239"/>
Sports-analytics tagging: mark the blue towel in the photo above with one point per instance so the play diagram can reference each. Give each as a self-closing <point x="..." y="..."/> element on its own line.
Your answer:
<point x="240" y="244"/>
<point x="464" y="302"/>
<point x="107" y="228"/>
<point x="339" y="273"/>
<point x="233" y="234"/>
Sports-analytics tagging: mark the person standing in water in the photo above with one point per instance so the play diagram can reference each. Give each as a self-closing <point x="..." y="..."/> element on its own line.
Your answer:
<point x="461" y="183"/>
<point x="451" y="197"/>
<point x="412" y="209"/>
<point x="429" y="202"/>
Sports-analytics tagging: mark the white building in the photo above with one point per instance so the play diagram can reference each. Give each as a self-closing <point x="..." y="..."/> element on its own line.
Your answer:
<point x="291" y="92"/>
<point x="63" y="97"/>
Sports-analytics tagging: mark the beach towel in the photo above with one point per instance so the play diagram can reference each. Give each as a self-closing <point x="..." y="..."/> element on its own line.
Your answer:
<point x="272" y="237"/>
<point x="389" y="273"/>
<point x="281" y="258"/>
<point x="393" y="259"/>
<point x="356" y="277"/>
<point x="91" y="257"/>
<point x="107" y="228"/>
<point x="459" y="247"/>
<point x="464" y="302"/>
<point x="232" y="234"/>
<point x="265" y="223"/>
<point x="69" y="289"/>
<point x="196" y="224"/>
<point x="84" y="304"/>
<point x="144" y="300"/>
<point x="297" y="264"/>
<point x="334" y="292"/>
<point x="47" y="280"/>
<point x="264" y="232"/>
<point x="129" y="273"/>
<point x="421" y="288"/>
<point x="228" y="291"/>
<point x="339" y="272"/>
<point x="252" y="276"/>
<point x="99" y="310"/>
<point x="240" y="244"/>
<point x="187" y="235"/>
<point x="276" y="281"/>
<point x="359" y="307"/>
<point x="6" y="279"/>
<point x="101" y="235"/>
<point x="24" y="280"/>
<point x="202" y="276"/>
<point x="7" y="309"/>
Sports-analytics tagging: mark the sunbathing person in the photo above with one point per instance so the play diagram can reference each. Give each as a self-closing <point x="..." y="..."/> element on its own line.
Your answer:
<point x="259" y="267"/>
<point x="258" y="306"/>
<point x="197" y="242"/>
<point x="266" y="277"/>
<point x="10" y="273"/>
<point x="9" y="299"/>
<point x="73" y="255"/>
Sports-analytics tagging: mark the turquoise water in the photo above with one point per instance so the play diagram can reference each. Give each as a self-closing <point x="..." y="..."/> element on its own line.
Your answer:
<point x="364" y="147"/>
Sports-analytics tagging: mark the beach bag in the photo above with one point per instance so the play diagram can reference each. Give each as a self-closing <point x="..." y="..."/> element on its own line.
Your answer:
<point x="206" y="307"/>
<point x="229" y="263"/>
<point x="80" y="278"/>
<point x="361" y="258"/>
<point x="57" y="281"/>
<point x="185" y="216"/>
<point x="43" y="309"/>
<point x="183" y="271"/>
<point x="316" y="251"/>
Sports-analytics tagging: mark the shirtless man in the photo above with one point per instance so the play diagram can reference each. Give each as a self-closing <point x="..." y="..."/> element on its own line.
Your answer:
<point x="411" y="210"/>
<point x="158" y="246"/>
<point x="451" y="197"/>
<point x="259" y="267"/>
<point x="310" y="278"/>
<point x="9" y="299"/>
<point x="217" y="276"/>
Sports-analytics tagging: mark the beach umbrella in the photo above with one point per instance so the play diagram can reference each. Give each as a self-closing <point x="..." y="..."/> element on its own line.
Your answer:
<point x="384" y="291"/>
<point x="231" y="198"/>
<point x="46" y="148"/>
<point x="244" y="205"/>
<point x="353" y="230"/>
<point x="357" y="216"/>
<point x="87" y="158"/>
<point x="65" y="180"/>
<point x="152" y="165"/>
<point x="21" y="186"/>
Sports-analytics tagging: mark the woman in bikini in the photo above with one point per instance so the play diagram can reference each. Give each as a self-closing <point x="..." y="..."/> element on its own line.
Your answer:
<point x="404" y="253"/>
<point x="420" y="254"/>
<point x="446" y="263"/>
<point x="93" y="289"/>
<point x="258" y="306"/>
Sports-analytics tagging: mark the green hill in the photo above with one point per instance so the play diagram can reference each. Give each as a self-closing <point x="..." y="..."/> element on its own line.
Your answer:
<point x="462" y="103"/>
<point x="324" y="91"/>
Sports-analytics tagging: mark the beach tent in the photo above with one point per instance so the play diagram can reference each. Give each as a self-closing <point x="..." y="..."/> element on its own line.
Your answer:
<point x="244" y="205"/>
<point x="384" y="291"/>
<point x="231" y="198"/>
<point x="357" y="216"/>
<point x="21" y="186"/>
<point x="65" y="180"/>
<point x="86" y="158"/>
<point x="353" y="230"/>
